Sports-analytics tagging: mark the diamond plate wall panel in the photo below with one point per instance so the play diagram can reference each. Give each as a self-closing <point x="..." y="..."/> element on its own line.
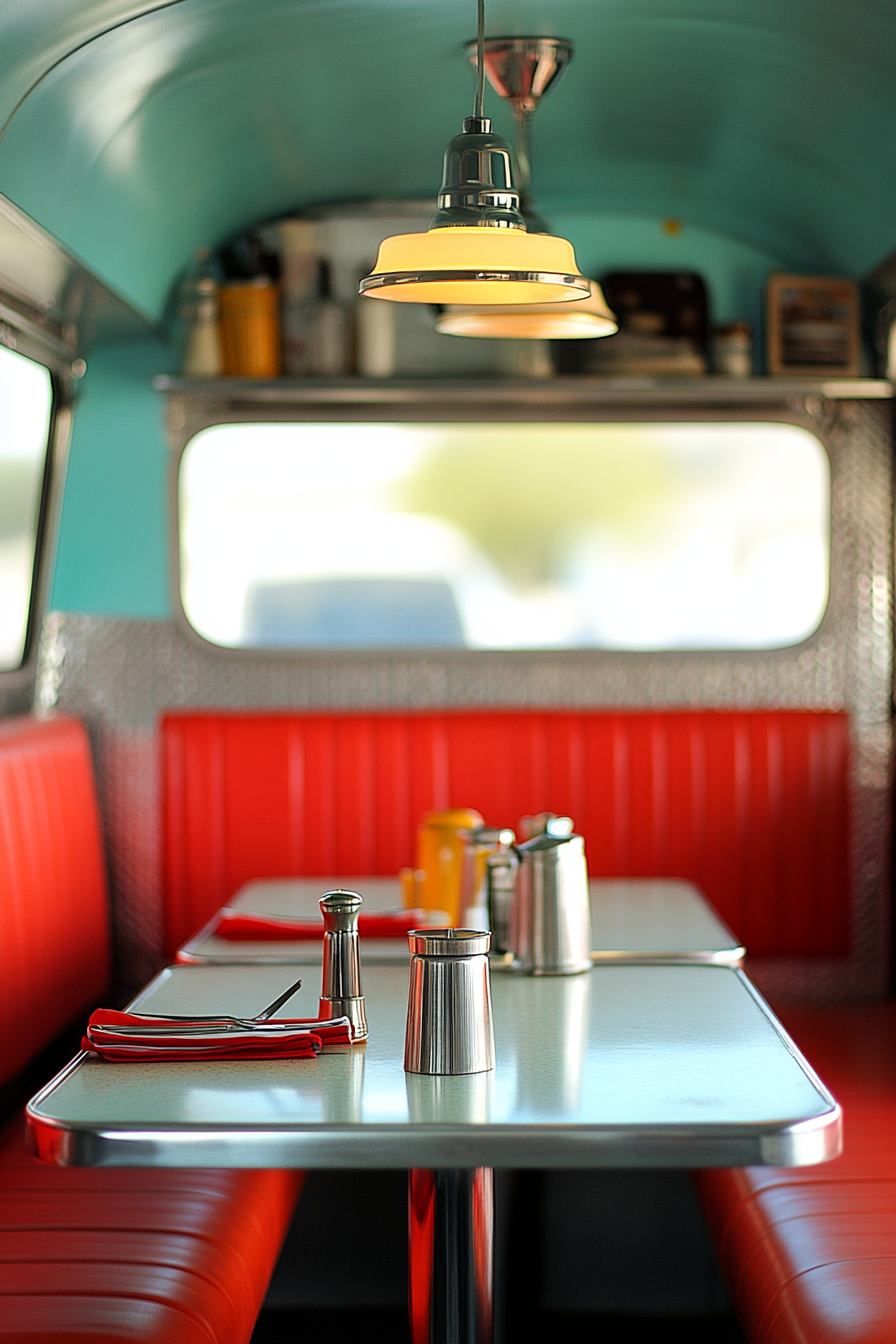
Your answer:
<point x="121" y="675"/>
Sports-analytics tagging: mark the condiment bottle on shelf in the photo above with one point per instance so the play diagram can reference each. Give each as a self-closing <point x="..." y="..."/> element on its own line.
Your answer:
<point x="329" y="330"/>
<point x="250" y="306"/>
<point x="250" y="328"/>
<point x="199" y="310"/>
<point x="732" y="350"/>
<point x="375" y="337"/>
<point x="299" y="282"/>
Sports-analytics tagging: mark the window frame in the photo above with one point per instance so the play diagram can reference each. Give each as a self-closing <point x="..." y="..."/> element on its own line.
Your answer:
<point x="192" y="408"/>
<point x="22" y="338"/>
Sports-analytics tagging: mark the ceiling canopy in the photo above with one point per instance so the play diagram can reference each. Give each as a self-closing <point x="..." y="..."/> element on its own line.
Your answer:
<point x="137" y="132"/>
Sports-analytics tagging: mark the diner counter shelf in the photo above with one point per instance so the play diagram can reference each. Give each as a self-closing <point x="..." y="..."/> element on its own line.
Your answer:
<point x="508" y="392"/>
<point x="624" y="1066"/>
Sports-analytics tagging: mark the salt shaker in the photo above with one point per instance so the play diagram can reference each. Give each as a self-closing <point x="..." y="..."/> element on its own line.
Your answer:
<point x="500" y="878"/>
<point x="480" y="844"/>
<point x="449" y="1026"/>
<point x="341" y="992"/>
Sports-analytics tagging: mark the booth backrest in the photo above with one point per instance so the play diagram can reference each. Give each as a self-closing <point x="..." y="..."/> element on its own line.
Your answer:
<point x="54" y="916"/>
<point x="752" y="806"/>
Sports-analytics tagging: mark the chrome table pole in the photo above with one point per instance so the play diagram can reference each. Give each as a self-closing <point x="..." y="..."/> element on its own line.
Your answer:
<point x="451" y="1225"/>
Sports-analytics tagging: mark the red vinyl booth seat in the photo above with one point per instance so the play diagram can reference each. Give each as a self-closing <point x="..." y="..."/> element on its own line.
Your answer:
<point x="54" y="916"/>
<point x="809" y="1253"/>
<point x="147" y="1257"/>
<point x="178" y="1257"/>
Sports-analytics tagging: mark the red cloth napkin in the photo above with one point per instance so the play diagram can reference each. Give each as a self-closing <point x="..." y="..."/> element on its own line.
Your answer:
<point x="242" y="926"/>
<point x="124" y="1037"/>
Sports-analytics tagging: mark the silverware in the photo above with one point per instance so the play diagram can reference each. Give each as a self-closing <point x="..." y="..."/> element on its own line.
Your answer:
<point x="244" y="1023"/>
<point x="341" y="981"/>
<point x="449" y="1024"/>
<point x="550" y="915"/>
<point x="278" y="1002"/>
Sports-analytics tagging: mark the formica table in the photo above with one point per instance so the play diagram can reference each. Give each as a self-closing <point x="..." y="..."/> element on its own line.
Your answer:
<point x="633" y="920"/>
<point x="623" y="1066"/>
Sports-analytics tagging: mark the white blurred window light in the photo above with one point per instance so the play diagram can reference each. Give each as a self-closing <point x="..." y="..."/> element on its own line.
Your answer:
<point x="505" y="536"/>
<point x="26" y="398"/>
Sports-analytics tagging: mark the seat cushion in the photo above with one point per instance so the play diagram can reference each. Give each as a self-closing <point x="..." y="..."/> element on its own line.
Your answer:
<point x="157" y="1254"/>
<point x="53" y="901"/>
<point x="809" y="1253"/>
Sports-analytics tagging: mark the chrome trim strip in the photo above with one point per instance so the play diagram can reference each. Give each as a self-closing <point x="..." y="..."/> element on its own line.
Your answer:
<point x="398" y="1147"/>
<point x="722" y="956"/>
<point x="208" y="394"/>
<point x="387" y="278"/>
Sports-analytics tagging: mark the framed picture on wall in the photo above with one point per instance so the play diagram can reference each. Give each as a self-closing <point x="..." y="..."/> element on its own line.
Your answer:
<point x="813" y="325"/>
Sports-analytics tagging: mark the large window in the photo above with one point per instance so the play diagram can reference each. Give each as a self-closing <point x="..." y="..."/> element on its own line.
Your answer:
<point x="26" y="398"/>
<point x="504" y="536"/>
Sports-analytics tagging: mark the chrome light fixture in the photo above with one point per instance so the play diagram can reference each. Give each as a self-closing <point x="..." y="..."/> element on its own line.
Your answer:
<point x="522" y="70"/>
<point x="478" y="249"/>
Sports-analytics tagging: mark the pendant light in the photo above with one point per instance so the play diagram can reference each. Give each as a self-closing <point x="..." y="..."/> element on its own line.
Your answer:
<point x="478" y="249"/>
<point x="522" y="70"/>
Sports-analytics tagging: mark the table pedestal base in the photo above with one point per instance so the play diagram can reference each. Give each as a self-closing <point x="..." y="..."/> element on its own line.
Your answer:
<point x="451" y="1222"/>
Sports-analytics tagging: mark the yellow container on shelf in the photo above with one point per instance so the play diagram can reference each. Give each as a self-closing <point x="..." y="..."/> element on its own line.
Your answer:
<point x="250" y="329"/>
<point x="441" y="841"/>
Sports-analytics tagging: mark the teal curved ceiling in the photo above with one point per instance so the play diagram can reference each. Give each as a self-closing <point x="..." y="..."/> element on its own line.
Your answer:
<point x="766" y="122"/>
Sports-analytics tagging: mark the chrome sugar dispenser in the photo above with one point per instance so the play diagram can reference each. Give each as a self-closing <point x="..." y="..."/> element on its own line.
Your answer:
<point x="550" y="915"/>
<point x="341" y="988"/>
<point x="449" y="1024"/>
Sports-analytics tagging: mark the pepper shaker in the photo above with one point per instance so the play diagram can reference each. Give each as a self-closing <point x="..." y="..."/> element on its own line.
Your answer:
<point x="341" y="992"/>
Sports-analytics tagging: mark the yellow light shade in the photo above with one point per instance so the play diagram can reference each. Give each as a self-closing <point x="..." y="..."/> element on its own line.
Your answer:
<point x="475" y="265"/>
<point x="580" y="319"/>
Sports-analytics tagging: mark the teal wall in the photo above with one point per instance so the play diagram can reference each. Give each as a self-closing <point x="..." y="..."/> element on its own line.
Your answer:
<point x="112" y="557"/>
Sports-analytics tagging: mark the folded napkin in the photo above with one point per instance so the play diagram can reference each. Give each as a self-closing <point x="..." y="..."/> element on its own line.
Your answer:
<point x="122" y="1037"/>
<point x="242" y="926"/>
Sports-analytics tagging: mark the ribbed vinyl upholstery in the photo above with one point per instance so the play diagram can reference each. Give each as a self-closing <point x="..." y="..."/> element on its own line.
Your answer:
<point x="809" y="1254"/>
<point x="751" y="806"/>
<point x="54" y="919"/>
<point x="143" y="1256"/>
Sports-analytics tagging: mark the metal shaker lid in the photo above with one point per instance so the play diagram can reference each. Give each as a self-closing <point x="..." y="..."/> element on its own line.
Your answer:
<point x="449" y="942"/>
<point x="340" y="910"/>
<point x="489" y="835"/>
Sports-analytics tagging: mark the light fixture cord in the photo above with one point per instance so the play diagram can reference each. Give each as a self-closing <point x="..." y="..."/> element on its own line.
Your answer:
<point x="524" y="150"/>
<point x="479" y="101"/>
